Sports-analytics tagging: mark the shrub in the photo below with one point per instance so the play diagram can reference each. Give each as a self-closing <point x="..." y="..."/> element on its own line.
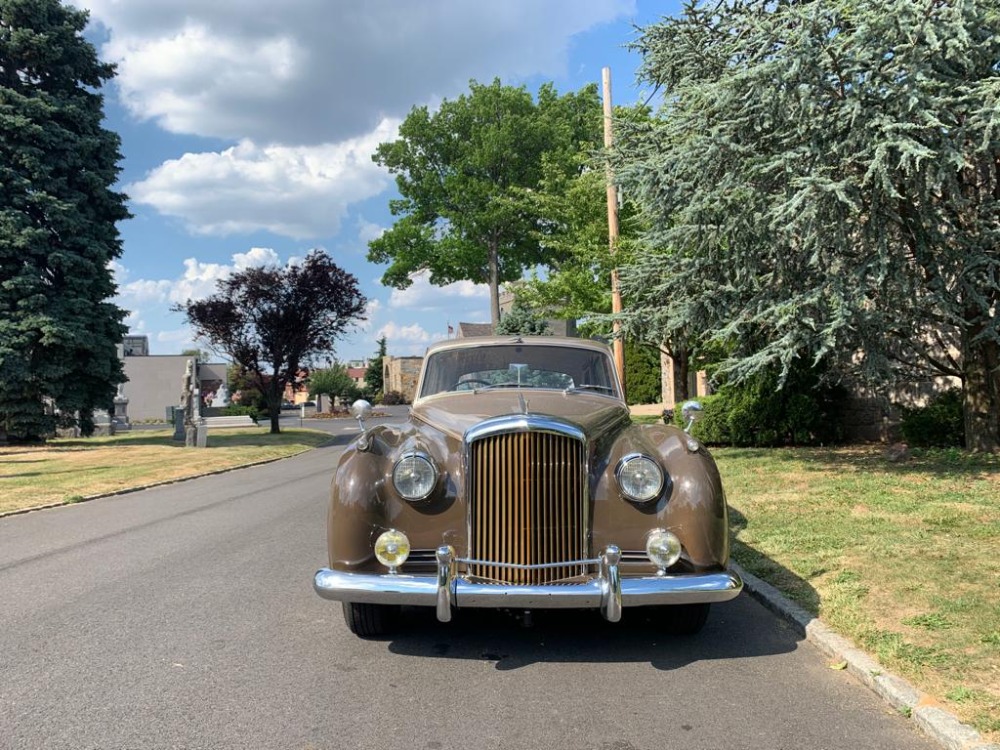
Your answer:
<point x="756" y="414"/>
<point x="394" y="398"/>
<point x="236" y="410"/>
<point x="940" y="424"/>
<point x="642" y="374"/>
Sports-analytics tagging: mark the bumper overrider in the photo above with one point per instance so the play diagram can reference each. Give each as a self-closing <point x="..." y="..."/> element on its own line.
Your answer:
<point x="607" y="591"/>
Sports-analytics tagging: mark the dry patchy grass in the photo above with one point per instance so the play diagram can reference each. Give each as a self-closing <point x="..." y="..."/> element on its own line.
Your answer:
<point x="900" y="557"/>
<point x="68" y="470"/>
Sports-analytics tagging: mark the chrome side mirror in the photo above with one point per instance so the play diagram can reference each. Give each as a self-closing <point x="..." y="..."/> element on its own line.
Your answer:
<point x="361" y="410"/>
<point x="691" y="411"/>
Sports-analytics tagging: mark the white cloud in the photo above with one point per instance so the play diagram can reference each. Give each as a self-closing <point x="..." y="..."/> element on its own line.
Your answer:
<point x="424" y="296"/>
<point x="372" y="308"/>
<point x="368" y="231"/>
<point x="258" y="257"/>
<point x="299" y="192"/>
<point x="134" y="323"/>
<point x="398" y="334"/>
<point x="311" y="71"/>
<point x="407" y="340"/>
<point x="198" y="280"/>
<point x="178" y="336"/>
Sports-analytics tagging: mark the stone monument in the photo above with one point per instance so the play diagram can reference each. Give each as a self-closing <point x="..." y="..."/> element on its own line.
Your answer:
<point x="221" y="397"/>
<point x="120" y="416"/>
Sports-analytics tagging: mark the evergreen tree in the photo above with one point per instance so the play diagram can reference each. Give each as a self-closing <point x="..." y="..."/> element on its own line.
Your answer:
<point x="824" y="180"/>
<point x="58" y="330"/>
<point x="523" y="321"/>
<point x="642" y="374"/>
<point x="374" y="384"/>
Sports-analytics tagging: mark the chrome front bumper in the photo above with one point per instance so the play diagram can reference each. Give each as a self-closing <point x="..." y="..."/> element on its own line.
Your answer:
<point x="608" y="591"/>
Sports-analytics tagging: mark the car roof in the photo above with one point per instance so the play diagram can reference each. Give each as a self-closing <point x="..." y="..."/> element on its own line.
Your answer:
<point x="479" y="341"/>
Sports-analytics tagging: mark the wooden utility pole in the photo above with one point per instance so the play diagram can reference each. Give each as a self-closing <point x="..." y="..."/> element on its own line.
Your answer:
<point x="616" y="295"/>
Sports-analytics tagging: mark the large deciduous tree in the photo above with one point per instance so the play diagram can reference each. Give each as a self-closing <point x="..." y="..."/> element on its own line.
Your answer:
<point x="826" y="176"/>
<point x="271" y="321"/>
<point x="58" y="329"/>
<point x="467" y="175"/>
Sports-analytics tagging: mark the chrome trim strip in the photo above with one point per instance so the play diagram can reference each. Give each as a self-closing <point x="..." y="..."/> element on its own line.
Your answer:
<point x="522" y="423"/>
<point x="425" y="591"/>
<point x="522" y="566"/>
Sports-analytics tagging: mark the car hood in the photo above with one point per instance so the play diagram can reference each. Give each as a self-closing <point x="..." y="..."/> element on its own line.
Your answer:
<point x="457" y="412"/>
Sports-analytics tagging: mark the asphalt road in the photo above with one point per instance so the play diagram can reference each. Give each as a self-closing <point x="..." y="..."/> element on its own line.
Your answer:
<point x="183" y="617"/>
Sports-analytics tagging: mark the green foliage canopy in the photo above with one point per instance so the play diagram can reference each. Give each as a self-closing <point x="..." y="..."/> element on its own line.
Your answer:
<point x="822" y="179"/>
<point x="468" y="174"/>
<point x="576" y="283"/>
<point x="58" y="214"/>
<point x="333" y="381"/>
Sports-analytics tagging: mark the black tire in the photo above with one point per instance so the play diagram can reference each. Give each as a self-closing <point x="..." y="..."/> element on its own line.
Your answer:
<point x="685" y="619"/>
<point x="371" y="620"/>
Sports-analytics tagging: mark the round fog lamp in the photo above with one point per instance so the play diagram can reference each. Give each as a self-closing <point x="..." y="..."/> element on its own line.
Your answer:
<point x="392" y="548"/>
<point x="663" y="548"/>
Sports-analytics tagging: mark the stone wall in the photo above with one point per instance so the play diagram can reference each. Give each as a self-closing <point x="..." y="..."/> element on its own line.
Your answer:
<point x="401" y="374"/>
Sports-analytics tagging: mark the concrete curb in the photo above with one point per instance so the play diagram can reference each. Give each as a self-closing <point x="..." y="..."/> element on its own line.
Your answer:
<point x="932" y="719"/>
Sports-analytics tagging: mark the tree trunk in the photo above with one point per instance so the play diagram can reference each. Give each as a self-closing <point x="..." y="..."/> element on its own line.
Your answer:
<point x="981" y="392"/>
<point x="274" y="406"/>
<point x="494" y="261"/>
<point x="682" y="368"/>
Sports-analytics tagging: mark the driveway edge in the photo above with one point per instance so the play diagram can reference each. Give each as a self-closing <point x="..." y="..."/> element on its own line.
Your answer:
<point x="924" y="710"/>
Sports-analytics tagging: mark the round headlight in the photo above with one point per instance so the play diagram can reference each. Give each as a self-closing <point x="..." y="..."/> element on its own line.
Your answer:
<point x="414" y="476"/>
<point x="639" y="477"/>
<point x="663" y="548"/>
<point x="392" y="548"/>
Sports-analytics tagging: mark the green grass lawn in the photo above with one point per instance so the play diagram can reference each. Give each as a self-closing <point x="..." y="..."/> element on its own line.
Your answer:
<point x="903" y="558"/>
<point x="68" y="470"/>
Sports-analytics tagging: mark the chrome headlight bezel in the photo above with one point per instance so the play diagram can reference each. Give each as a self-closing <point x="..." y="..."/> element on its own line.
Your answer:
<point x="415" y="459"/>
<point x="631" y="463"/>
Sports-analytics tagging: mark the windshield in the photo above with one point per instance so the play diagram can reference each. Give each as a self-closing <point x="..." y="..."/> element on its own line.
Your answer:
<point x="518" y="366"/>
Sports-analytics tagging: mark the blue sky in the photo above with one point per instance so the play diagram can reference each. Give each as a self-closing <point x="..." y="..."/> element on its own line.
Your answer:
<point x="247" y="129"/>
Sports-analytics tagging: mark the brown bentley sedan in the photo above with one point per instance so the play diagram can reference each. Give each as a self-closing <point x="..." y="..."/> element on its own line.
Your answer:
<point x="520" y="482"/>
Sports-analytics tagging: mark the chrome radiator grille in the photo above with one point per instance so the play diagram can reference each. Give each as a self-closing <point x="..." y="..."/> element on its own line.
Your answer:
<point x="527" y="504"/>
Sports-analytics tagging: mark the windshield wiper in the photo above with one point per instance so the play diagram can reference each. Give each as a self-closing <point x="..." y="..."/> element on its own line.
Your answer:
<point x="590" y="387"/>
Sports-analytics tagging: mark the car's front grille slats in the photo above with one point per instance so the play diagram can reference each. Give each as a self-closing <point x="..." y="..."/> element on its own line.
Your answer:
<point x="527" y="506"/>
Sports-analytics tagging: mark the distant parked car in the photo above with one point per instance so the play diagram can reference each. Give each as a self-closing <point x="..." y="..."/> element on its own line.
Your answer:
<point x="520" y="482"/>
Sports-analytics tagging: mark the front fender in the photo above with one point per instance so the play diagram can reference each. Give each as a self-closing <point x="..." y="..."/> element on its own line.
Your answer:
<point x="363" y="502"/>
<point x="693" y="506"/>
